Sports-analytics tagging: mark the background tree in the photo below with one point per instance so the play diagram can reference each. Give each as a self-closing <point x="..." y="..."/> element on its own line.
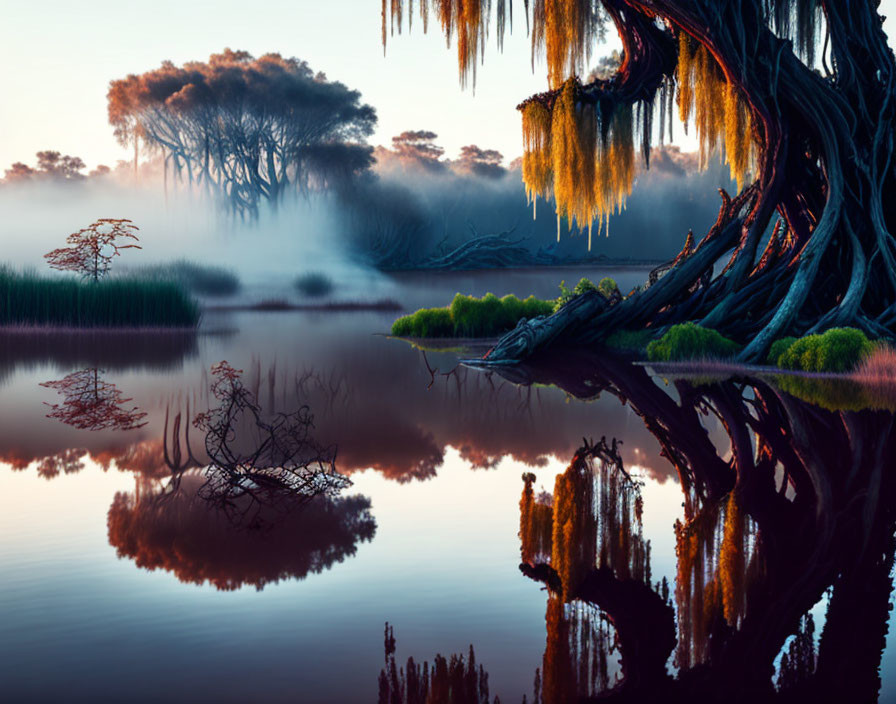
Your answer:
<point x="481" y="162"/>
<point x="94" y="247"/>
<point x="807" y="134"/>
<point x="247" y="129"/>
<point x="51" y="165"/>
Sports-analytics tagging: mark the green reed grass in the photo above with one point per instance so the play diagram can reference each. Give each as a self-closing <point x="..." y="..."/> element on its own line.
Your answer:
<point x="28" y="299"/>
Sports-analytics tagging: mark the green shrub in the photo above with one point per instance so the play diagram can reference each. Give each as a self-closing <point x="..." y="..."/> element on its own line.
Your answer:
<point x="607" y="287"/>
<point x="690" y="341"/>
<point x="837" y="350"/>
<point x="586" y="285"/>
<point x="778" y="348"/>
<point x="471" y="317"/>
<point x="426" y="322"/>
<point x="29" y="299"/>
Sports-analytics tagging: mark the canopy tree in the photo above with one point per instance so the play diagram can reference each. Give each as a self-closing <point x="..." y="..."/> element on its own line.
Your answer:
<point x="798" y="95"/>
<point x="248" y="130"/>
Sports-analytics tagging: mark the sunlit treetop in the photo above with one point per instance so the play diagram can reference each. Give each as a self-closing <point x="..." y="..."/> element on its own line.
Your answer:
<point x="580" y="138"/>
<point x="250" y="129"/>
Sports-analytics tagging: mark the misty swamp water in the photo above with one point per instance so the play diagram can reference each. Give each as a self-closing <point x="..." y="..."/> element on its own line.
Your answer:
<point x="128" y="574"/>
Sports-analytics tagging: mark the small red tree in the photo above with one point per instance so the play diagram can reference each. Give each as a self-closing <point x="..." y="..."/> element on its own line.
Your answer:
<point x="93" y="247"/>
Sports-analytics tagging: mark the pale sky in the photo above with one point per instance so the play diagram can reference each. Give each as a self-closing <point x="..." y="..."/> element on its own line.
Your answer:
<point x="59" y="56"/>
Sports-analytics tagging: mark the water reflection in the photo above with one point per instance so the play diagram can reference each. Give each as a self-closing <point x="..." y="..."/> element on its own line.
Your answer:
<point x="92" y="403"/>
<point x="796" y="509"/>
<point x="114" y="351"/>
<point x="172" y="527"/>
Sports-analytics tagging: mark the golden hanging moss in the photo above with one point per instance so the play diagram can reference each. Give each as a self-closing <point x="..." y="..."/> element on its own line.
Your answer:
<point x="685" y="70"/>
<point x="720" y="115"/>
<point x="537" y="161"/>
<point x="573" y="155"/>
<point x="564" y="31"/>
<point x="590" y="176"/>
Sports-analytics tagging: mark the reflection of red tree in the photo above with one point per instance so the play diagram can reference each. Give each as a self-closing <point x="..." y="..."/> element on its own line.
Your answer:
<point x="189" y="537"/>
<point x="93" y="404"/>
<point x="66" y="462"/>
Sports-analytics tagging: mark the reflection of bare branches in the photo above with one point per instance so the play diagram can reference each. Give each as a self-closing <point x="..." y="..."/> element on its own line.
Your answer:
<point x="178" y="532"/>
<point x="93" y="404"/>
<point x="257" y="462"/>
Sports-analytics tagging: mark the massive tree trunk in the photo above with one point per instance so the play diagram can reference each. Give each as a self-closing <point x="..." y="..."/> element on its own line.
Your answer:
<point x="823" y="146"/>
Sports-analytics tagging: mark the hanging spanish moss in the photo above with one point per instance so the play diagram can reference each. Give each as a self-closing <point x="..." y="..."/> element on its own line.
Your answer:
<point x="581" y="154"/>
<point x="720" y="115"/>
<point x="464" y="21"/>
<point x="537" y="163"/>
<point x="798" y="20"/>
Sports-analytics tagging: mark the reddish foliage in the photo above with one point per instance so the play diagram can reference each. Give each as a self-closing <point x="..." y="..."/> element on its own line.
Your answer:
<point x="93" y="404"/>
<point x="93" y="247"/>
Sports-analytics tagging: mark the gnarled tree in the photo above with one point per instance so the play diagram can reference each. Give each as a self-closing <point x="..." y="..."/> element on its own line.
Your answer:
<point x="247" y="129"/>
<point x="797" y="94"/>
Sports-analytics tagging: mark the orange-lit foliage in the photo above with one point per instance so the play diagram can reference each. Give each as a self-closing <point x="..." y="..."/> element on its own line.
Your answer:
<point x="576" y="657"/>
<point x="179" y="532"/>
<point x="580" y="154"/>
<point x="717" y="561"/>
<point x="564" y="31"/>
<point x="536" y="523"/>
<point x="721" y="117"/>
<point x="592" y="520"/>
<point x="90" y="403"/>
<point x="93" y="247"/>
<point x="588" y="166"/>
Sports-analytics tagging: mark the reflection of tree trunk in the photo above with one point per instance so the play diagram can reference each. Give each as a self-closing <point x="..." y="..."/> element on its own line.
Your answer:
<point x="856" y="626"/>
<point x="749" y="595"/>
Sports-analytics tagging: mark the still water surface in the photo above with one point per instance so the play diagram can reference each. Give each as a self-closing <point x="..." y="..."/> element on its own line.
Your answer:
<point x="123" y="581"/>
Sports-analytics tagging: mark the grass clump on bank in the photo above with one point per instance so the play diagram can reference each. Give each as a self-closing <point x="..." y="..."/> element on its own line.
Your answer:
<point x="689" y="341"/>
<point x="468" y="316"/>
<point x="838" y="350"/>
<point x="197" y="278"/>
<point x="27" y="299"/>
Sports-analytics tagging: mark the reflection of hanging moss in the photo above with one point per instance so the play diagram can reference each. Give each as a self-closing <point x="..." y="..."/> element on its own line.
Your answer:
<point x="717" y="560"/>
<point x="592" y="520"/>
<point x="536" y="521"/>
<point x="731" y="562"/>
<point x="576" y="657"/>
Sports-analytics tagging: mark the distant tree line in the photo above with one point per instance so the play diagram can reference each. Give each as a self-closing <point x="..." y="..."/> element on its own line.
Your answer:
<point x="249" y="130"/>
